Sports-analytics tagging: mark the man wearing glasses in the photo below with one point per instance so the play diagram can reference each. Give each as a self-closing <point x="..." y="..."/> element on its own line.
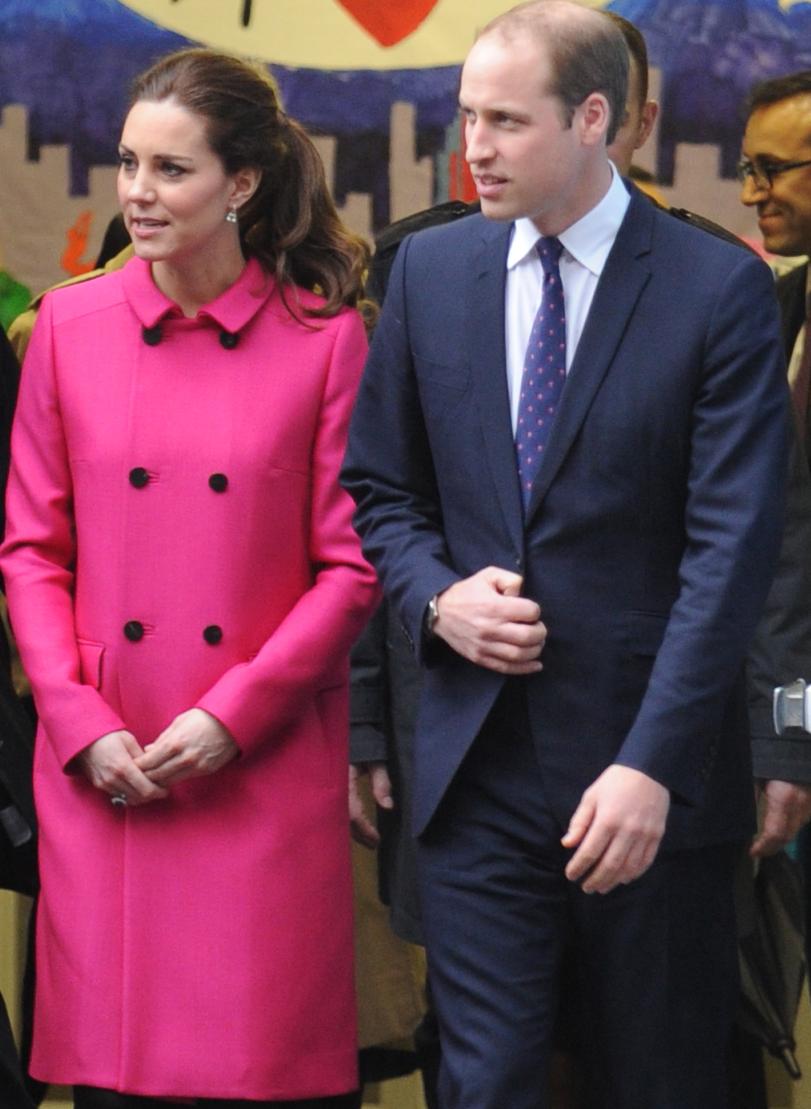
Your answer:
<point x="775" y="174"/>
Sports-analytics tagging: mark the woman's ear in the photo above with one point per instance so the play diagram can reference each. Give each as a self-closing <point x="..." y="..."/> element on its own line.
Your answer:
<point x="245" y="182"/>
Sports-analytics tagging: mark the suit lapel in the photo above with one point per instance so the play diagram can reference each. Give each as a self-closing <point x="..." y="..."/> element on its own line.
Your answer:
<point x="625" y="275"/>
<point x="486" y="338"/>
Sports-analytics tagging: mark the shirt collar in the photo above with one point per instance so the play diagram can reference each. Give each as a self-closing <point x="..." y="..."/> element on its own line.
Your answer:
<point x="589" y="240"/>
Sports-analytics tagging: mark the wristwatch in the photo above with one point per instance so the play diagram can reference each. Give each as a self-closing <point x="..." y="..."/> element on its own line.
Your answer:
<point x="431" y="615"/>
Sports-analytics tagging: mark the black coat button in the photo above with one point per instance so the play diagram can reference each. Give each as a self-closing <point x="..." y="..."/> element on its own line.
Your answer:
<point x="152" y="335"/>
<point x="212" y="634"/>
<point x="134" y="630"/>
<point x="218" y="482"/>
<point x="139" y="477"/>
<point x="229" y="339"/>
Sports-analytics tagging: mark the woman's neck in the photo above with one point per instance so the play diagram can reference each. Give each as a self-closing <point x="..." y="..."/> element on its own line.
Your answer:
<point x="192" y="286"/>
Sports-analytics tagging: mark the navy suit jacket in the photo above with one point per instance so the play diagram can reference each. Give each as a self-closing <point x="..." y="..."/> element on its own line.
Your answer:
<point x="654" y="524"/>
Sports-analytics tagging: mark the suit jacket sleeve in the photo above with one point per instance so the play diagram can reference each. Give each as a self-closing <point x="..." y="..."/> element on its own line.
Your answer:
<point x="733" y="517"/>
<point x="368" y="693"/>
<point x="389" y="461"/>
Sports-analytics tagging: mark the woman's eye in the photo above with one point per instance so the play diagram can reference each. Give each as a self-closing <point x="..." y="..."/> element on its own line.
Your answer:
<point x="172" y="170"/>
<point x="126" y="161"/>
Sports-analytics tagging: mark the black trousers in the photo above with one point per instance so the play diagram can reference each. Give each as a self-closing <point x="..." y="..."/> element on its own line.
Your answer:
<point x="13" y="1094"/>
<point x="86" y="1097"/>
<point x="656" y="960"/>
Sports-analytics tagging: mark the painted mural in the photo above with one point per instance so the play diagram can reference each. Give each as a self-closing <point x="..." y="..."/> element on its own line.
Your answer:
<point x="374" y="83"/>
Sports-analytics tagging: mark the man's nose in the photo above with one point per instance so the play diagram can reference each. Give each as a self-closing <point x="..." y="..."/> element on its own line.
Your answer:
<point x="752" y="190"/>
<point x="478" y="144"/>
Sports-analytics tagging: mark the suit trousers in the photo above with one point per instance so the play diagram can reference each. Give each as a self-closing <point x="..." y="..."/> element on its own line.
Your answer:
<point x="656" y="960"/>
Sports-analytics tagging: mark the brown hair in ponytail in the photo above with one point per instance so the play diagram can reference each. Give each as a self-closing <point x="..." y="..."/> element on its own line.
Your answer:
<point x="290" y="223"/>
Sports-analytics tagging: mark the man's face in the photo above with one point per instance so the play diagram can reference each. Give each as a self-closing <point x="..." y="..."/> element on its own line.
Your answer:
<point x="778" y="133"/>
<point x="640" y="116"/>
<point x="523" y="158"/>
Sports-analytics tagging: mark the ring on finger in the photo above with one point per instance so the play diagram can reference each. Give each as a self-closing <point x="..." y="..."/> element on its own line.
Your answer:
<point x="118" y="800"/>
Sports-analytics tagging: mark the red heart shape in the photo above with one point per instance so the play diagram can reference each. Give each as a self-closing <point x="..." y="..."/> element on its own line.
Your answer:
<point x="389" y="23"/>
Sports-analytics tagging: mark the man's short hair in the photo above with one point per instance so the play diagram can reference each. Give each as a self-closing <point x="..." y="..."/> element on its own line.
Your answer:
<point x="637" y="48"/>
<point x="587" y="53"/>
<point x="779" y="88"/>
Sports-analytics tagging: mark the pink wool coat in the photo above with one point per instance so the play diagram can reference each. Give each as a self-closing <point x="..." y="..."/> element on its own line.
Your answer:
<point x="177" y="538"/>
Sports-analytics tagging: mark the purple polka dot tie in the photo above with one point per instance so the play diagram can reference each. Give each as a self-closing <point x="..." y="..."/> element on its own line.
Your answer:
<point x="544" y="370"/>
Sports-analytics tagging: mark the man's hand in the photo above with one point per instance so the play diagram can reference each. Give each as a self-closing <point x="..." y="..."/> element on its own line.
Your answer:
<point x="363" y="829"/>
<point x="110" y="764"/>
<point x="485" y="620"/>
<point x="787" y="809"/>
<point x="616" y="828"/>
<point x="194" y="744"/>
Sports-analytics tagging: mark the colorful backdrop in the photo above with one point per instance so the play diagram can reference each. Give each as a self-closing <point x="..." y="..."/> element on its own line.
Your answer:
<point x="374" y="82"/>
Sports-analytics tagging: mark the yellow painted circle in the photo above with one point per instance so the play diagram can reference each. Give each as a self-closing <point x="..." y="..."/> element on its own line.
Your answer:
<point x="321" y="34"/>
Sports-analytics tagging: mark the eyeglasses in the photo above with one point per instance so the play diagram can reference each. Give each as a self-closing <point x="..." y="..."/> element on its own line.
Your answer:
<point x="763" y="173"/>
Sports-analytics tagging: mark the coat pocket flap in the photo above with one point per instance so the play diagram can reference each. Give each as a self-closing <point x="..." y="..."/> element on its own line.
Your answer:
<point x="90" y="656"/>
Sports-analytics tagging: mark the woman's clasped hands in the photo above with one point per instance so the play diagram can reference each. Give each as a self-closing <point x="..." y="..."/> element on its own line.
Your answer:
<point x="195" y="744"/>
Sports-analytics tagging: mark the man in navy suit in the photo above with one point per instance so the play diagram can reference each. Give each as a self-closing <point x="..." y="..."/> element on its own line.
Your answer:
<point x="581" y="764"/>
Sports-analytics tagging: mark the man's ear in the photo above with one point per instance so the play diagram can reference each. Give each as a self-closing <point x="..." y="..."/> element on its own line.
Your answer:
<point x="650" y="113"/>
<point x="592" y="117"/>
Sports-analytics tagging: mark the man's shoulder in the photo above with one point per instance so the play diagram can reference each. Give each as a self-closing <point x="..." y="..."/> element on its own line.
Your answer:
<point x="436" y="216"/>
<point x="679" y="232"/>
<point x="455" y="234"/>
<point x="438" y="232"/>
<point x="700" y="237"/>
<point x="709" y="227"/>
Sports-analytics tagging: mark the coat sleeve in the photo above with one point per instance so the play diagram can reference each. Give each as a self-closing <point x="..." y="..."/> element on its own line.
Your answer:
<point x="38" y="557"/>
<point x="309" y="650"/>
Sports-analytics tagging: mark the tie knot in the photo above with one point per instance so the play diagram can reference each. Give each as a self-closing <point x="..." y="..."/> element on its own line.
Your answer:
<point x="549" y="249"/>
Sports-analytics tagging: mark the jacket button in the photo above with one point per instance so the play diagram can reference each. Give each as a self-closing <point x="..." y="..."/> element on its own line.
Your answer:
<point x="139" y="477"/>
<point x="134" y="630"/>
<point x="212" y="634"/>
<point x="229" y="339"/>
<point x="218" y="482"/>
<point x="151" y="335"/>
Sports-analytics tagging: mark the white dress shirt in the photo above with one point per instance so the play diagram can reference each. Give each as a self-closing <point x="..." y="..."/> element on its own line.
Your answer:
<point x="586" y="246"/>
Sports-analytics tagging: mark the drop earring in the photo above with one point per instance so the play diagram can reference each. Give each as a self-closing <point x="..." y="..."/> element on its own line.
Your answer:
<point x="231" y="216"/>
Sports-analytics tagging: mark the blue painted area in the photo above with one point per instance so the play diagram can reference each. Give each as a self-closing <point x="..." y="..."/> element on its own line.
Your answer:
<point x="70" y="62"/>
<point x="711" y="54"/>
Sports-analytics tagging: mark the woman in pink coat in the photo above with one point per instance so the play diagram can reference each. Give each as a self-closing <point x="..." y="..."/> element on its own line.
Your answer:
<point x="185" y="584"/>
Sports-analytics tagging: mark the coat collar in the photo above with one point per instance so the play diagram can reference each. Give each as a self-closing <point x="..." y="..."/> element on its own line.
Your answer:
<point x="231" y="311"/>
